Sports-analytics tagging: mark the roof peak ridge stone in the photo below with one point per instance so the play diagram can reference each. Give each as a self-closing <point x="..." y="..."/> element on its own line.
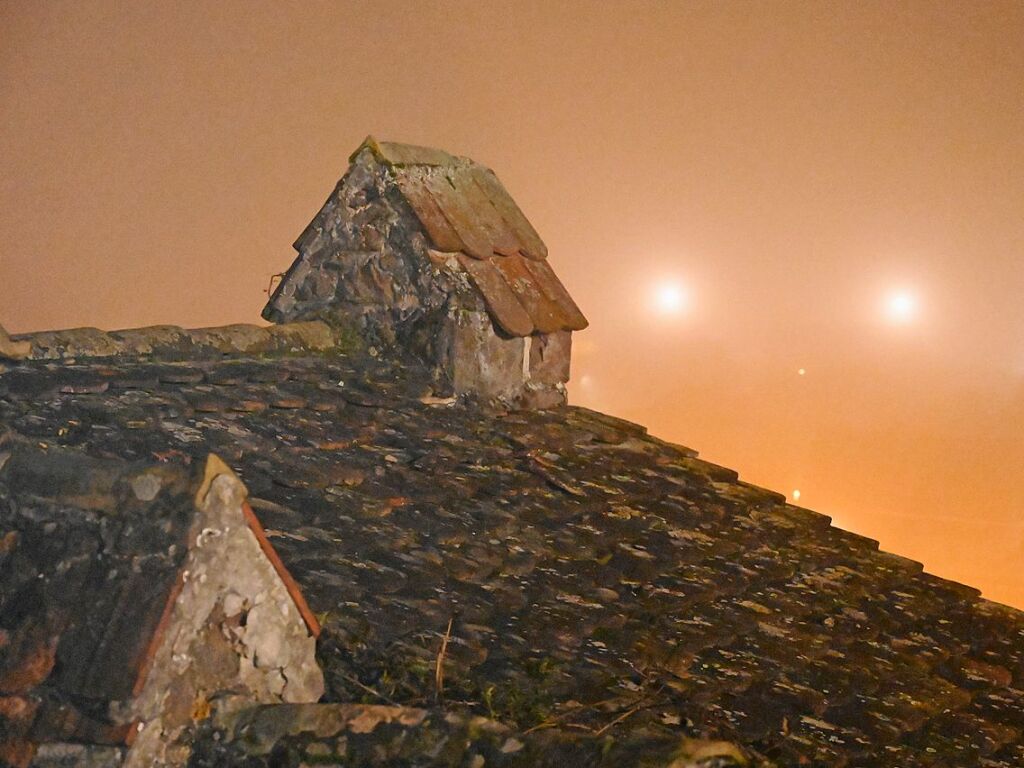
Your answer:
<point x="395" y="153"/>
<point x="11" y="349"/>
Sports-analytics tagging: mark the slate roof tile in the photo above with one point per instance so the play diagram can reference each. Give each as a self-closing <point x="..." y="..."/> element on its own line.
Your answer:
<point x="87" y="570"/>
<point x="580" y="562"/>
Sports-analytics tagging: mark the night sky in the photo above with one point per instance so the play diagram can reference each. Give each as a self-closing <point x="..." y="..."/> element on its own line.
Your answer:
<point x="797" y="228"/>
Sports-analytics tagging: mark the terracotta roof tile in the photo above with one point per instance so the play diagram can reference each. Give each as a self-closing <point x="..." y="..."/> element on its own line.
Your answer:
<point x="502" y="302"/>
<point x="550" y="286"/>
<point x="504" y="240"/>
<point x="545" y="312"/>
<point x="440" y="231"/>
<point x="463" y="207"/>
<point x="530" y="243"/>
<point x="469" y="222"/>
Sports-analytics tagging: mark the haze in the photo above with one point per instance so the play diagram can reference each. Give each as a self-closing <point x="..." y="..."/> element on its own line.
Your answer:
<point x="796" y="228"/>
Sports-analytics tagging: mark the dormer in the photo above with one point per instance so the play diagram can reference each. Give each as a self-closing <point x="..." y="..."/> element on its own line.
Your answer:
<point x="425" y="251"/>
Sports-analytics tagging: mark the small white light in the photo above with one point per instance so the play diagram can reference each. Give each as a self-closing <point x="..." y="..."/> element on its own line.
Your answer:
<point x="670" y="298"/>
<point x="801" y="371"/>
<point x="901" y="306"/>
<point x="796" y="495"/>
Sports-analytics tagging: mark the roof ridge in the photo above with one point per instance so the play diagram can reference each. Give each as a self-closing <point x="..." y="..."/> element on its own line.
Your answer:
<point x="396" y="153"/>
<point x="172" y="342"/>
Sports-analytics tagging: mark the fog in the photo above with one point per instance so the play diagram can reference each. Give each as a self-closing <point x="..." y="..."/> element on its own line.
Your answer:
<point x="732" y="192"/>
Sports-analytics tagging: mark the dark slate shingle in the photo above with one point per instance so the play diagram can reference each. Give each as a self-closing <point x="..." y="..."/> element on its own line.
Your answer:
<point x="599" y="583"/>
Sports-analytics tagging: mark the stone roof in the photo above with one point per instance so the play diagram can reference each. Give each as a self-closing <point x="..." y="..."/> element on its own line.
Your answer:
<point x="597" y="595"/>
<point x="90" y="553"/>
<point x="465" y="211"/>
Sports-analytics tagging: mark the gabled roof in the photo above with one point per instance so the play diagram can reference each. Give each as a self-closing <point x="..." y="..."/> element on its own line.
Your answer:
<point x="465" y="210"/>
<point x="460" y="203"/>
<point x="608" y="594"/>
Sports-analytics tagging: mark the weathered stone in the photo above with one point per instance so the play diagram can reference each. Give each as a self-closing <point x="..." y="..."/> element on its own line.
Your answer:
<point x="288" y="403"/>
<point x="306" y="337"/>
<point x="13" y="350"/>
<point x="549" y="357"/>
<point x="540" y="397"/>
<point x="267" y="655"/>
<point x="75" y="342"/>
<point x="77" y="756"/>
<point x="154" y="340"/>
<point x="263" y="727"/>
<point x="231" y="338"/>
<point x="701" y="753"/>
<point x="170" y="342"/>
<point x="482" y="362"/>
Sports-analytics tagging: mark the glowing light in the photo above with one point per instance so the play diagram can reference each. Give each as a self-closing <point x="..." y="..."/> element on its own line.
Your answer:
<point x="585" y="380"/>
<point x="796" y="495"/>
<point x="901" y="307"/>
<point x="670" y="298"/>
<point x="801" y="371"/>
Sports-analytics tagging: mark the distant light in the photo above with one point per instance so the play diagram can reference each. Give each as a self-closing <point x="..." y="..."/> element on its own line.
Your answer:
<point x="670" y="298"/>
<point x="796" y="495"/>
<point x="901" y="307"/>
<point x="801" y="371"/>
<point x="585" y="380"/>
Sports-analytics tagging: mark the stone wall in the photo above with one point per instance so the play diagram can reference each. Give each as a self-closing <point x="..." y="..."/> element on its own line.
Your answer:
<point x="234" y="635"/>
<point x="549" y="357"/>
<point x="528" y="372"/>
<point x="362" y="262"/>
<point x="483" y="362"/>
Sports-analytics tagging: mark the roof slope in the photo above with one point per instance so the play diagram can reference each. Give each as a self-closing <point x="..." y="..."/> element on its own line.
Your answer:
<point x="601" y="586"/>
<point x="90" y="551"/>
<point x="464" y="209"/>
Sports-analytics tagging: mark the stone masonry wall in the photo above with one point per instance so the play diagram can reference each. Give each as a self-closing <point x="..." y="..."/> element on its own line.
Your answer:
<point x="528" y="372"/>
<point x="362" y="262"/>
<point x="483" y="362"/>
<point x="235" y="636"/>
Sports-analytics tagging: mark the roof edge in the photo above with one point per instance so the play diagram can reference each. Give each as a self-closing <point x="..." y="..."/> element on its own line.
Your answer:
<point x="216" y="467"/>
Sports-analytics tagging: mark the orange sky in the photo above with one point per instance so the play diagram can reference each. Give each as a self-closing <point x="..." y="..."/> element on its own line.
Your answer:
<point x="784" y="164"/>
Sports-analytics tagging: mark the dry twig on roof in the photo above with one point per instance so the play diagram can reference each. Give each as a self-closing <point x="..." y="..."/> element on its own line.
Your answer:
<point x="439" y="665"/>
